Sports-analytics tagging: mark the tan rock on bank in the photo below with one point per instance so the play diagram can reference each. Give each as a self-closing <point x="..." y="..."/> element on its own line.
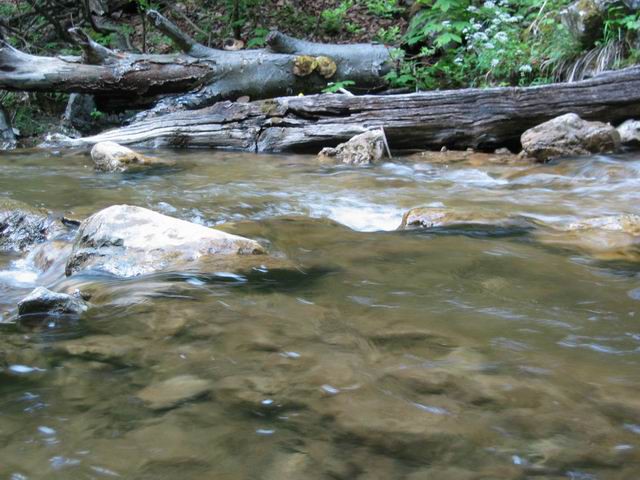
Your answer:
<point x="569" y="135"/>
<point x="363" y="149"/>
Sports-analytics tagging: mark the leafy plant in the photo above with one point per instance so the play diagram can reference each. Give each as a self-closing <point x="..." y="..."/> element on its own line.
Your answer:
<point x="389" y="35"/>
<point x="332" y="18"/>
<point x="467" y="43"/>
<point x="383" y="8"/>
<point x="96" y="114"/>
<point x="259" y="38"/>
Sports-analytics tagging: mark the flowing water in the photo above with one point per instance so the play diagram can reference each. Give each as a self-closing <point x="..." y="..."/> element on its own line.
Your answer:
<point x="463" y="353"/>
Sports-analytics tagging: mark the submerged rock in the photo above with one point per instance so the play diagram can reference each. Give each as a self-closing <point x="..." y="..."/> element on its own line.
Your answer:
<point x="611" y="237"/>
<point x="363" y="149"/>
<point x="626" y="223"/>
<point x="569" y="135"/>
<point x="429" y="217"/>
<point x="172" y="392"/>
<point x="102" y="348"/>
<point x="128" y="241"/>
<point x="630" y="133"/>
<point x="42" y="301"/>
<point x="22" y="226"/>
<point x="473" y="158"/>
<point x="112" y="157"/>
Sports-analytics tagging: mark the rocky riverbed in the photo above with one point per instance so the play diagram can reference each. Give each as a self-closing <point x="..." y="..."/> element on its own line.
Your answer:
<point x="417" y="318"/>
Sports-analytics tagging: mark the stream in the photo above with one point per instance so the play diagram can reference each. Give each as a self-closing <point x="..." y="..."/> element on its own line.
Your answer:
<point x="447" y="353"/>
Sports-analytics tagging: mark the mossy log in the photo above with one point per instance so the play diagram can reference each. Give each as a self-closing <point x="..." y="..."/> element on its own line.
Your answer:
<point x="458" y="119"/>
<point x="199" y="76"/>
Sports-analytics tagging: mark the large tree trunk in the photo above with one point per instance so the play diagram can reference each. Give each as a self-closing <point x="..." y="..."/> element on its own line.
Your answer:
<point x="478" y="118"/>
<point x="201" y="75"/>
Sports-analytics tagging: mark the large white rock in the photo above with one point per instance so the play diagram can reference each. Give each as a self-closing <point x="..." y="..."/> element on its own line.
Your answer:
<point x="630" y="132"/>
<point x="127" y="241"/>
<point x="569" y="135"/>
<point x="113" y="157"/>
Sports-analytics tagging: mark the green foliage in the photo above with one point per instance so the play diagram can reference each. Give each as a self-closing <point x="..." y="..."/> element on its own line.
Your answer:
<point x="33" y="113"/>
<point x="335" y="87"/>
<point x="96" y="114"/>
<point x="389" y="35"/>
<point x="467" y="43"/>
<point x="333" y="18"/>
<point x="258" y="39"/>
<point x="619" y="25"/>
<point x="145" y="5"/>
<point x="383" y="8"/>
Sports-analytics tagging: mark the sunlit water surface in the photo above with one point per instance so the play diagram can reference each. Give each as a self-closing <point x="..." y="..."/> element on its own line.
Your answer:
<point x="455" y="354"/>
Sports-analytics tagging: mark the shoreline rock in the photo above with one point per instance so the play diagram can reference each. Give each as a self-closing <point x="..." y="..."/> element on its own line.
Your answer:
<point x="569" y="135"/>
<point x="363" y="149"/>
<point x="630" y="133"/>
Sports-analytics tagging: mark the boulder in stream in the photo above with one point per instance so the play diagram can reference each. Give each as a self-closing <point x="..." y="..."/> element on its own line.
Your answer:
<point x="22" y="226"/>
<point x="113" y="157"/>
<point x="363" y="149"/>
<point x="630" y="133"/>
<point x="127" y="241"/>
<point x="569" y="135"/>
<point x="42" y="301"/>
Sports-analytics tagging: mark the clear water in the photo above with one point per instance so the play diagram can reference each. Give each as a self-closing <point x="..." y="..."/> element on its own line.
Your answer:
<point x="454" y="354"/>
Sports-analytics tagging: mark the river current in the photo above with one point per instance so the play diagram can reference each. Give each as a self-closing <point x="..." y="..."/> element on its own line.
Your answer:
<point x="455" y="353"/>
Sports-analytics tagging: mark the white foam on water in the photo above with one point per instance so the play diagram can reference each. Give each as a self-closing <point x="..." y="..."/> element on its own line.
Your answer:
<point x="362" y="218"/>
<point x="18" y="278"/>
<point x="473" y="177"/>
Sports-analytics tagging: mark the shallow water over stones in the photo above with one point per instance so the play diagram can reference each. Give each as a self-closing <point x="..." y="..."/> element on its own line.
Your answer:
<point x="456" y="352"/>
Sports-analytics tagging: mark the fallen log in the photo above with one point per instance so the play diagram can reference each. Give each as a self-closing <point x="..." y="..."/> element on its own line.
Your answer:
<point x="201" y="75"/>
<point x="458" y="119"/>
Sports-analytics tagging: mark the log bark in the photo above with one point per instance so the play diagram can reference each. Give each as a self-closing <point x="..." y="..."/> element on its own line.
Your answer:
<point x="199" y="76"/>
<point x="477" y="118"/>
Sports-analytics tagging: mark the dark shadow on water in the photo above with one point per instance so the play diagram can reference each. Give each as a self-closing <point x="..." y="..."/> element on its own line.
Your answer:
<point x="257" y="279"/>
<point x="474" y="231"/>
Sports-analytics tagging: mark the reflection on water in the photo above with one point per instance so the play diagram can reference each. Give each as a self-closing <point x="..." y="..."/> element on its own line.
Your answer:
<point x="456" y="353"/>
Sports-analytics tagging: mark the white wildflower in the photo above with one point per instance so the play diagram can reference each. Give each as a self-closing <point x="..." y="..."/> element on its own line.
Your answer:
<point x="458" y="61"/>
<point x="489" y="45"/>
<point x="525" y="69"/>
<point x="489" y="4"/>
<point x="501" y="37"/>
<point x="495" y="62"/>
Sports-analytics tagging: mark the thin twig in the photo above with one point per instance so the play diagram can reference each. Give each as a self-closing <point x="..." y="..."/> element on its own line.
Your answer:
<point x="386" y="144"/>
